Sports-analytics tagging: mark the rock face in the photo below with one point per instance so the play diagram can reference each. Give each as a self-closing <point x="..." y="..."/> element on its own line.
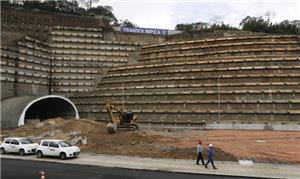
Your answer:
<point x="75" y="133"/>
<point x="79" y="139"/>
<point x="39" y="125"/>
<point x="84" y="140"/>
<point x="51" y="133"/>
<point x="51" y="122"/>
<point x="75" y="140"/>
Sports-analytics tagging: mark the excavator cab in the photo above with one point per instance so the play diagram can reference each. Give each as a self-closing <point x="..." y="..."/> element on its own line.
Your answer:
<point x="124" y="120"/>
<point x="128" y="117"/>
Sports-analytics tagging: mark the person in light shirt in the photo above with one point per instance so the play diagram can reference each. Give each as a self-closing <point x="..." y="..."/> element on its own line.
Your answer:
<point x="199" y="152"/>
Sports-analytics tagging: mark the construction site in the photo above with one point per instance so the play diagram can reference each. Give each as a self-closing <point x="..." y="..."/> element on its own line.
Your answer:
<point x="79" y="79"/>
<point x="230" y="145"/>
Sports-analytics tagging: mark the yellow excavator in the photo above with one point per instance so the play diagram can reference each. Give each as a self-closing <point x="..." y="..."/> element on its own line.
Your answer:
<point x="123" y="121"/>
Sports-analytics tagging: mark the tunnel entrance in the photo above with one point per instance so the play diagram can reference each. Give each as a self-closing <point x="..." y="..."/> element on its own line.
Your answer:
<point x="48" y="107"/>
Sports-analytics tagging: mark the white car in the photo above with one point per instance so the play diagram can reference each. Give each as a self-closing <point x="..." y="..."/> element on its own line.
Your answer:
<point x="59" y="148"/>
<point x="18" y="145"/>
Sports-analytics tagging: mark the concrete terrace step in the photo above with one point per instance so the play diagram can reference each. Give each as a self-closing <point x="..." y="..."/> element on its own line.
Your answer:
<point x="219" y="40"/>
<point x="222" y="46"/>
<point x="77" y="28"/>
<point x="207" y="62"/>
<point x="207" y="86"/>
<point x="189" y="92"/>
<point x="296" y="101"/>
<point x="191" y="70"/>
<point x="271" y="50"/>
<point x="193" y="105"/>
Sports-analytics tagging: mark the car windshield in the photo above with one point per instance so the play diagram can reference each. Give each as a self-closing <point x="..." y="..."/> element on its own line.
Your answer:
<point x="26" y="141"/>
<point x="64" y="144"/>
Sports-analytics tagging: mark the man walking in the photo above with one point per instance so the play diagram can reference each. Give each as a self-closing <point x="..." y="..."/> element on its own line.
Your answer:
<point x="210" y="156"/>
<point x="199" y="151"/>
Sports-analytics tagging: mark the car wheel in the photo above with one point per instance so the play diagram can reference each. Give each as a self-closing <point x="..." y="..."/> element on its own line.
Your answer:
<point x="2" y="151"/>
<point x="62" y="156"/>
<point x="39" y="154"/>
<point x="22" y="152"/>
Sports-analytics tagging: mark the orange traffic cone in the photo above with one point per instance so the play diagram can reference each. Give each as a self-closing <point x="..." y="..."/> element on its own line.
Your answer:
<point x="42" y="173"/>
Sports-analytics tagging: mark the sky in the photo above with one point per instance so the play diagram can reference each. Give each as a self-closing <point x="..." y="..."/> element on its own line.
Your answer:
<point x="165" y="14"/>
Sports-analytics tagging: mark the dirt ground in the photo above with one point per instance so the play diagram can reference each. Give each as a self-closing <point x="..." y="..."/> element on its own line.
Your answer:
<point x="229" y="145"/>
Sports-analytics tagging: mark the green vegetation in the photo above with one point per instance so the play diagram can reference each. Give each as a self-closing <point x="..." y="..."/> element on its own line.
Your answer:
<point x="65" y="6"/>
<point x="105" y="12"/>
<point x="126" y="23"/>
<point x="258" y="24"/>
<point x="202" y="25"/>
<point x="253" y="24"/>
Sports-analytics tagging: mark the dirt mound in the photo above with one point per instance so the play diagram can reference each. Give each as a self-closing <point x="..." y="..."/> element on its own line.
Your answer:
<point x="259" y="146"/>
<point x="229" y="145"/>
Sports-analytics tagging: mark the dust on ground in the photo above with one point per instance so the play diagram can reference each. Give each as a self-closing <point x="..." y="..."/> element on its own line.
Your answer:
<point x="229" y="145"/>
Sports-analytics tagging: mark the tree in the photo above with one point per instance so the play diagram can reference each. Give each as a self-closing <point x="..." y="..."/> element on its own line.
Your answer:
<point x="67" y="6"/>
<point x="258" y="24"/>
<point x="32" y="4"/>
<point x="105" y="12"/>
<point x="127" y="23"/>
<point x="190" y="27"/>
<point x="254" y="24"/>
<point x="222" y="26"/>
<point x="218" y="20"/>
<point x="88" y="4"/>
<point x="203" y="25"/>
<point x="185" y="27"/>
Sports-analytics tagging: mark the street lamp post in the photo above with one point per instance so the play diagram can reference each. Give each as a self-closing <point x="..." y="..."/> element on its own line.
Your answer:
<point x="123" y="100"/>
<point x="219" y="97"/>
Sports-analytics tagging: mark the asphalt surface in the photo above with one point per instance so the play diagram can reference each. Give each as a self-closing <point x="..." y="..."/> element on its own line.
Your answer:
<point x="21" y="169"/>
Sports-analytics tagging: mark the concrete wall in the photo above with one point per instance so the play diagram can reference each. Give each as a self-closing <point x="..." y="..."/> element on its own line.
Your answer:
<point x="31" y="89"/>
<point x="8" y="89"/>
<point x="10" y="38"/>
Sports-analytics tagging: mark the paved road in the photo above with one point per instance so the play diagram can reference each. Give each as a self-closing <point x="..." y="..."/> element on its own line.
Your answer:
<point x="21" y="169"/>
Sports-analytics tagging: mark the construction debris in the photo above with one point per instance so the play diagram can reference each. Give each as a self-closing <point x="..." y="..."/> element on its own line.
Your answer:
<point x="39" y="125"/>
<point x="77" y="139"/>
<point x="75" y="133"/>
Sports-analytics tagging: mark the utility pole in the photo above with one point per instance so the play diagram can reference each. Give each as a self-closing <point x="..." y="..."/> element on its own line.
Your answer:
<point x="123" y="96"/>
<point x="219" y="98"/>
<point x="50" y="80"/>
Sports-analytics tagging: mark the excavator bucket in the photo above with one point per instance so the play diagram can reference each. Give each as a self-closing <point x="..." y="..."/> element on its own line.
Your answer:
<point x="111" y="128"/>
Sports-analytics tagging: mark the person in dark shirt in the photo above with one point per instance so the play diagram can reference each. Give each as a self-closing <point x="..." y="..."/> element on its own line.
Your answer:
<point x="210" y="156"/>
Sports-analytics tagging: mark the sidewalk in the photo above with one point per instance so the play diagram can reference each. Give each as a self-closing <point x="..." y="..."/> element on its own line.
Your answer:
<point x="173" y="165"/>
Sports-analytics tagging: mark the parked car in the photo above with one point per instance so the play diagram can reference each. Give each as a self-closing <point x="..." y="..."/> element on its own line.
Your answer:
<point x="59" y="148"/>
<point x="18" y="145"/>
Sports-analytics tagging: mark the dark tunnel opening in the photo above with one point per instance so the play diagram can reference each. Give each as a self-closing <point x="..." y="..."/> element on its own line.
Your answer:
<point x="50" y="108"/>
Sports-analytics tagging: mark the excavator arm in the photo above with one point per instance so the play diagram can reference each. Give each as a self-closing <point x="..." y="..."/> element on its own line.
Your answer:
<point x="125" y="121"/>
<point x="110" y="108"/>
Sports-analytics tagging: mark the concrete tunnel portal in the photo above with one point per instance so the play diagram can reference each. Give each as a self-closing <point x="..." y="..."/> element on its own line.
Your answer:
<point x="46" y="107"/>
